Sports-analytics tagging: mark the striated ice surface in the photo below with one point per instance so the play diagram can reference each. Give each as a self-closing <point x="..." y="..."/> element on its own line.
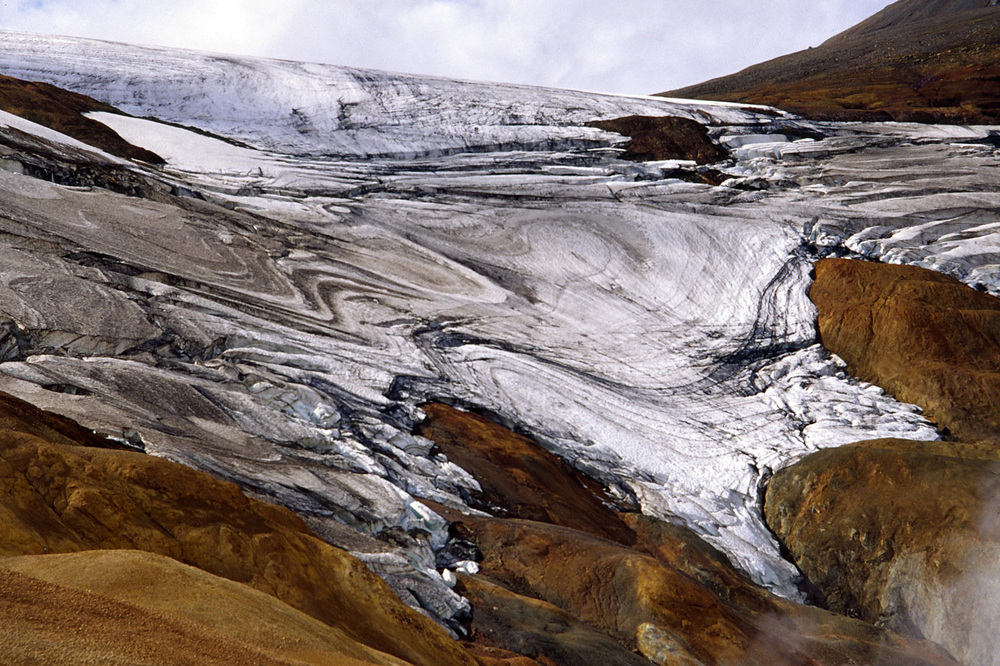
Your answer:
<point x="284" y="331"/>
<point x="307" y="109"/>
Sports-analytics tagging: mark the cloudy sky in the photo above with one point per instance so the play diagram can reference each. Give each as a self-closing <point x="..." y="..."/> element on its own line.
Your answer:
<point x="626" y="46"/>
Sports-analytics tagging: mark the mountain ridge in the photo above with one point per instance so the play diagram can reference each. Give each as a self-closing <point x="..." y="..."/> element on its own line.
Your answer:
<point x="913" y="61"/>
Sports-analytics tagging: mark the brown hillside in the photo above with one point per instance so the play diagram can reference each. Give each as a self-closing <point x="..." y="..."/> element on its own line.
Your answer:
<point x="935" y="61"/>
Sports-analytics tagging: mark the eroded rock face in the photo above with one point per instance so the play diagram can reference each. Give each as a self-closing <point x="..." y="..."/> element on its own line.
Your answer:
<point x="902" y="534"/>
<point x="60" y="498"/>
<point x="920" y="335"/>
<point x="520" y="479"/>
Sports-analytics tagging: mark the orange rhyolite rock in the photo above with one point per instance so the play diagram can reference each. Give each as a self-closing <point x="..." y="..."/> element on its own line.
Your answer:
<point x="655" y="589"/>
<point x="922" y="336"/>
<point x="902" y="534"/>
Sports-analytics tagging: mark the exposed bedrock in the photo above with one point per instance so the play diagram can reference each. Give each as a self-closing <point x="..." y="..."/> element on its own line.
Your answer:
<point x="902" y="534"/>
<point x="623" y="583"/>
<point x="58" y="497"/>
<point x="664" y="138"/>
<point x="920" y="335"/>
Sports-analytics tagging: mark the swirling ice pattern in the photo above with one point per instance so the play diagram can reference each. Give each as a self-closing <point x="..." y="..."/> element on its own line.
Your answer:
<point x="657" y="334"/>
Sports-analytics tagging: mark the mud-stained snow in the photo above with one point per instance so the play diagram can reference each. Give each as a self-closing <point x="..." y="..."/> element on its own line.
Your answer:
<point x="654" y="332"/>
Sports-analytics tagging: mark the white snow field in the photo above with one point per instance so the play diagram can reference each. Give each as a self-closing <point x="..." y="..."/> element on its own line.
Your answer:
<point x="378" y="240"/>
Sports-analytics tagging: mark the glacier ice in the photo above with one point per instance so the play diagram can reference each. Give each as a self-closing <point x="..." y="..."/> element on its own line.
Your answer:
<point x="368" y="242"/>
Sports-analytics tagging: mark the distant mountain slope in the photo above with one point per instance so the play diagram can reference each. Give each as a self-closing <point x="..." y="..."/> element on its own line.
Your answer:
<point x="928" y="61"/>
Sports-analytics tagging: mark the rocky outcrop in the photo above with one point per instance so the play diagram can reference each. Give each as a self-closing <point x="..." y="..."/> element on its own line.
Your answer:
<point x="157" y="610"/>
<point x="63" y="110"/>
<point x="539" y="630"/>
<point x="664" y="138"/>
<point x="607" y="587"/>
<point x="904" y="534"/>
<point x="659" y="610"/>
<point x="901" y="534"/>
<point x="520" y="479"/>
<point x="914" y="61"/>
<point x="920" y="335"/>
<point x="56" y="497"/>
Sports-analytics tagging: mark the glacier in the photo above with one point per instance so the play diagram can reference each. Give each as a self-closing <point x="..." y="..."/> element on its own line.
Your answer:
<point x="330" y="248"/>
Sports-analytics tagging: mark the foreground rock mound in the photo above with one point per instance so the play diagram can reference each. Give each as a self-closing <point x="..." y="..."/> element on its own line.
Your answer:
<point x="920" y="335"/>
<point x="133" y="607"/>
<point x="684" y="608"/>
<point x="902" y="534"/>
<point x="56" y="497"/>
<point x="915" y="61"/>
<point x="587" y="595"/>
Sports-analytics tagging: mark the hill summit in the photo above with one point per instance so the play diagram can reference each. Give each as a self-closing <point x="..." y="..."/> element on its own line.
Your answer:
<point x="936" y="61"/>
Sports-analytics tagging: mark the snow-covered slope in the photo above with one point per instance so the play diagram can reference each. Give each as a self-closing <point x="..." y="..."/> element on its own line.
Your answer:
<point x="654" y="332"/>
<point x="308" y="108"/>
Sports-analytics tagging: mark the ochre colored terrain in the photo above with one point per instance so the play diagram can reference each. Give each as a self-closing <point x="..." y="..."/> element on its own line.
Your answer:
<point x="906" y="534"/>
<point x="570" y="591"/>
<point x="899" y="533"/>
<point x="134" y="607"/>
<point x="59" y="497"/>
<point x="922" y="336"/>
<point x="63" y="111"/>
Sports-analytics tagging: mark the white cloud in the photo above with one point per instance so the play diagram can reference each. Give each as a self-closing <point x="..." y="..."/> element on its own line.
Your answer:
<point x="631" y="46"/>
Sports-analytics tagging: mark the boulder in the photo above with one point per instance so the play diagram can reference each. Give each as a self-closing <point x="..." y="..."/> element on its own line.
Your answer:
<point x="922" y="336"/>
<point x="902" y="534"/>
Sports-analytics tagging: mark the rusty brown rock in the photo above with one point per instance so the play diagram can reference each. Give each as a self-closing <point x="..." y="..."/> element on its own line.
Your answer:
<point x="60" y="498"/>
<point x="528" y="626"/>
<point x="922" y="336"/>
<point x="647" y="604"/>
<point x="654" y="588"/>
<point x="902" y="534"/>
<point x="519" y="478"/>
<point x="63" y="111"/>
